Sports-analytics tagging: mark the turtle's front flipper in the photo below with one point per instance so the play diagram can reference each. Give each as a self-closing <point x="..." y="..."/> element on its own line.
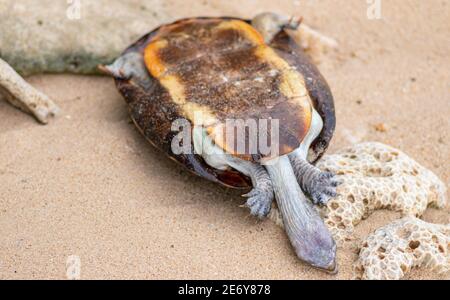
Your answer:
<point x="261" y="196"/>
<point x="321" y="186"/>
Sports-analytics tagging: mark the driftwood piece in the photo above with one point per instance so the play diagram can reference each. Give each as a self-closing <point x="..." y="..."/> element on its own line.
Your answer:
<point x="22" y="95"/>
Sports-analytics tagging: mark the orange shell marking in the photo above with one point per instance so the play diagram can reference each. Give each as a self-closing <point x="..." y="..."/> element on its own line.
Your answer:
<point x="292" y="84"/>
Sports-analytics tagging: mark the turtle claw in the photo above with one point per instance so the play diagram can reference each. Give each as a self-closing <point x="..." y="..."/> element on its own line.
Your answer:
<point x="322" y="187"/>
<point x="259" y="202"/>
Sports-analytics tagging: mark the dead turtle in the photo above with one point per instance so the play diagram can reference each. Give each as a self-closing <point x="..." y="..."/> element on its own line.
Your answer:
<point x="208" y="71"/>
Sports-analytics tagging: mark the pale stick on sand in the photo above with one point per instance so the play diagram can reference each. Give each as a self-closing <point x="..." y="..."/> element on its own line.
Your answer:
<point x="22" y="95"/>
<point x="308" y="37"/>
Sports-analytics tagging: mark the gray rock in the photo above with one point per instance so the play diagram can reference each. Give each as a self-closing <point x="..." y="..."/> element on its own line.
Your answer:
<point x="54" y="36"/>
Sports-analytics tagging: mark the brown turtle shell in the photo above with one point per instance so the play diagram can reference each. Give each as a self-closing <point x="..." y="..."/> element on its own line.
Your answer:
<point x="223" y="68"/>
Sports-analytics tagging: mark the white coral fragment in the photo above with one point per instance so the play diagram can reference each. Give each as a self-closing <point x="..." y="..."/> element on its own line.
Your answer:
<point x="391" y="251"/>
<point x="376" y="176"/>
<point x="309" y="38"/>
<point x="24" y="96"/>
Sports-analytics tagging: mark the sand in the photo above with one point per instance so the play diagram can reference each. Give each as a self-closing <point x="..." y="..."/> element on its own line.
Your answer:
<point x="89" y="185"/>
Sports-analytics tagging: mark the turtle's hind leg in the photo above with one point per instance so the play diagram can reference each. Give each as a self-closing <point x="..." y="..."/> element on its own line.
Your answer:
<point x="311" y="41"/>
<point x="270" y="24"/>
<point x="129" y="66"/>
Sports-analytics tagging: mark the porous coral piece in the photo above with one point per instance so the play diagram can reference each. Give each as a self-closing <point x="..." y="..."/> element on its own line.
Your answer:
<point x="23" y="95"/>
<point x="391" y="251"/>
<point x="376" y="176"/>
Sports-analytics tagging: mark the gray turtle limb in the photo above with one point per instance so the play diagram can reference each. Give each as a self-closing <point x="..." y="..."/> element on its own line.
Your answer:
<point x="127" y="66"/>
<point x="321" y="186"/>
<point x="270" y="24"/>
<point x="22" y="95"/>
<point x="261" y="196"/>
<point x="311" y="41"/>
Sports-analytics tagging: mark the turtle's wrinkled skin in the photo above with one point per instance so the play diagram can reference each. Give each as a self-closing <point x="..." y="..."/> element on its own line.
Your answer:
<point x="229" y="68"/>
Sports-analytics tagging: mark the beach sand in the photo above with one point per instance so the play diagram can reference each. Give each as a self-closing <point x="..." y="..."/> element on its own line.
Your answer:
<point x="89" y="185"/>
